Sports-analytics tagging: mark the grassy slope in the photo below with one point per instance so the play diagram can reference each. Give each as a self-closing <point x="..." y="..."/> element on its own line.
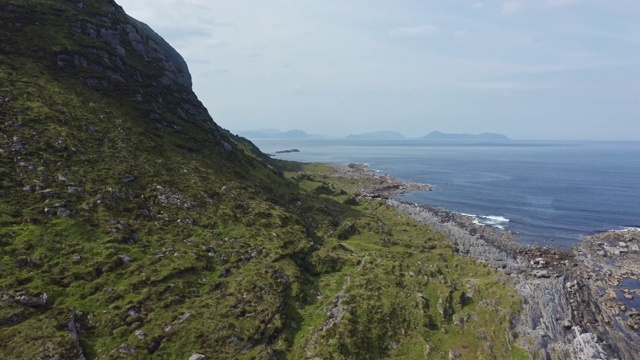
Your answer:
<point x="253" y="258"/>
<point x="396" y="278"/>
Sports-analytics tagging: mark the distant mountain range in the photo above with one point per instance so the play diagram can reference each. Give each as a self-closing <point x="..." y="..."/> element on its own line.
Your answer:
<point x="382" y="135"/>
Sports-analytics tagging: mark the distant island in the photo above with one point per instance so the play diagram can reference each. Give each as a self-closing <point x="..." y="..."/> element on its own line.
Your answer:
<point x="439" y="136"/>
<point x="287" y="151"/>
<point x="381" y="135"/>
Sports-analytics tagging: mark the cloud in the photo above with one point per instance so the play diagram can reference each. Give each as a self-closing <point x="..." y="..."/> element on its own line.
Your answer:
<point x="420" y="30"/>
<point x="555" y="3"/>
<point x="477" y="5"/>
<point x="510" y="7"/>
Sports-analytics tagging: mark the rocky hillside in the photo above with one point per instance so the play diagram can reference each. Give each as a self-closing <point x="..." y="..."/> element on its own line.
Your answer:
<point x="133" y="226"/>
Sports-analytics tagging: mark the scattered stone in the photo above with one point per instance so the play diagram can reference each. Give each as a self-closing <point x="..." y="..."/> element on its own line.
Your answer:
<point x="125" y="259"/>
<point x="454" y="354"/>
<point x="74" y="190"/>
<point x="64" y="212"/>
<point x="33" y="302"/>
<point x="539" y="262"/>
<point x="280" y="275"/>
<point x="141" y="335"/>
<point x="541" y="274"/>
<point x="128" y="179"/>
<point x="134" y="311"/>
<point x="234" y="340"/>
<point x="198" y="356"/>
<point x="125" y="349"/>
<point x="567" y="324"/>
<point x="183" y="318"/>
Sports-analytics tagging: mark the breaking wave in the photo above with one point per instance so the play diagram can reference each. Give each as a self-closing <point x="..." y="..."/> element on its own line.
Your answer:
<point x="499" y="222"/>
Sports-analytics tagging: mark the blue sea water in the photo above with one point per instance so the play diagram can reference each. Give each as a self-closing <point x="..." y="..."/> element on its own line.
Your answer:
<point x="544" y="192"/>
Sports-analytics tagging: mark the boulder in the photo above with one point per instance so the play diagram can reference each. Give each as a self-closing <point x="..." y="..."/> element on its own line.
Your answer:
<point x="33" y="302"/>
<point x="125" y="259"/>
<point x="198" y="356"/>
<point x="541" y="274"/>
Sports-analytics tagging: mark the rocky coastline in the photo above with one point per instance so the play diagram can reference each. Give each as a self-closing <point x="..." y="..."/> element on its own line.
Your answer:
<point x="580" y="303"/>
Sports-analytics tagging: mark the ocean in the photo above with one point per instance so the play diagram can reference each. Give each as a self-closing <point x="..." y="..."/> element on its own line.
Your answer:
<point x="545" y="192"/>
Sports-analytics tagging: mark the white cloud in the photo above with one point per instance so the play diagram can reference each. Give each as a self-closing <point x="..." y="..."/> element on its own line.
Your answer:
<point x="510" y="7"/>
<point x="561" y="2"/>
<point x="421" y="30"/>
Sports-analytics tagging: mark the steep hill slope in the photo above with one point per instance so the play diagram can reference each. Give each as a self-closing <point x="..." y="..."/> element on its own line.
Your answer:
<point x="120" y="196"/>
<point x="133" y="226"/>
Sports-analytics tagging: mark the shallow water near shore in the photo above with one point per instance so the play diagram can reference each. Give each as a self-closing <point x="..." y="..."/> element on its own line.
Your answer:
<point x="632" y="284"/>
<point x="547" y="193"/>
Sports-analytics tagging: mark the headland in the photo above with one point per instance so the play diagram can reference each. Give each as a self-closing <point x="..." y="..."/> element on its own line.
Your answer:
<point x="580" y="303"/>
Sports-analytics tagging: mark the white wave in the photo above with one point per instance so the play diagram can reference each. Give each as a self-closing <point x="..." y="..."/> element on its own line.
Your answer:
<point x="491" y="220"/>
<point x="497" y="218"/>
<point x="465" y="214"/>
<point x="488" y="220"/>
<point x="630" y="229"/>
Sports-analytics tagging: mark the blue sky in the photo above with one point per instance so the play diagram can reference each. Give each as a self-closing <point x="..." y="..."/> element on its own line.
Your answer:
<point x="530" y="69"/>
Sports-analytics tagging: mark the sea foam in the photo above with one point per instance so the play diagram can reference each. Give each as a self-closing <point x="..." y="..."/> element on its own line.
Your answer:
<point x="496" y="221"/>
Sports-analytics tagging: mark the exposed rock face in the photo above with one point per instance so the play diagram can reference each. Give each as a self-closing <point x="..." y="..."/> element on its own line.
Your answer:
<point x="111" y="49"/>
<point x="122" y="35"/>
<point x="608" y="274"/>
<point x="175" y="66"/>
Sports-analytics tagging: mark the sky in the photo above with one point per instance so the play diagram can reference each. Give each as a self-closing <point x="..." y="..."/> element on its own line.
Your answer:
<point x="530" y="69"/>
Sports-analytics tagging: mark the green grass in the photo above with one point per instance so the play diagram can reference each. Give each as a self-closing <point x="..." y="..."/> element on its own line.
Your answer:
<point x="256" y="250"/>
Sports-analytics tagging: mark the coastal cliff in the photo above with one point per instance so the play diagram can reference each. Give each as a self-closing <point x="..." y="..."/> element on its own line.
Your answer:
<point x="132" y="226"/>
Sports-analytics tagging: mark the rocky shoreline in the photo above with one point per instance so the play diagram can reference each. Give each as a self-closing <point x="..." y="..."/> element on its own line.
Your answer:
<point x="577" y="304"/>
<point x="375" y="185"/>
